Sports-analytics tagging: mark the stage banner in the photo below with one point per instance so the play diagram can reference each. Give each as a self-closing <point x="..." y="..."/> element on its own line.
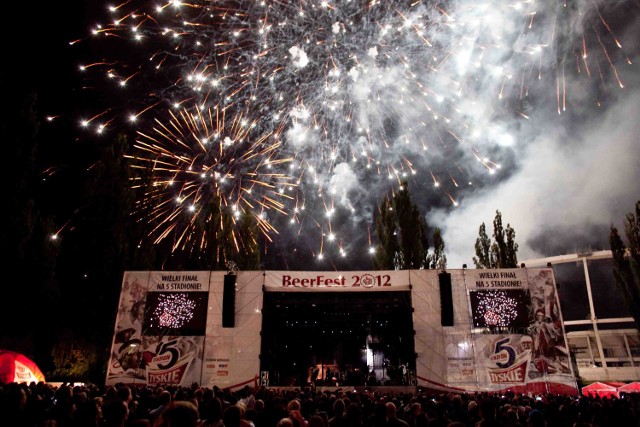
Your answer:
<point x="179" y="281"/>
<point x="232" y="353"/>
<point x="518" y="335"/>
<point x="502" y="361"/>
<point x="131" y="308"/>
<point x="217" y="366"/>
<point x="158" y="360"/>
<point x="173" y="360"/>
<point x="515" y="278"/>
<point x="128" y="328"/>
<point x="231" y="362"/>
<point x="393" y="280"/>
<point x="461" y="364"/>
<point x="160" y="327"/>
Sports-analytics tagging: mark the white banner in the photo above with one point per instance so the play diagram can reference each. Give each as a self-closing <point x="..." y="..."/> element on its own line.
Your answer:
<point x="461" y="366"/>
<point x="530" y="356"/>
<point x="513" y="278"/>
<point x="179" y="281"/>
<point x="217" y="361"/>
<point x="393" y="280"/>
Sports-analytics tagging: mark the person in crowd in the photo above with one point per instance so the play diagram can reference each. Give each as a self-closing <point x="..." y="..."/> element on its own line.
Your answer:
<point x="353" y="416"/>
<point x="338" y="414"/>
<point x="441" y="417"/>
<point x="536" y="419"/>
<point x="257" y="414"/>
<point x="244" y="422"/>
<point x="392" y="417"/>
<point x="316" y="421"/>
<point x="164" y="400"/>
<point x="179" y="414"/>
<point x="415" y="416"/>
<point x="378" y="417"/>
<point x="232" y="416"/>
<point x="88" y="413"/>
<point x="488" y="415"/>
<point x="211" y="412"/>
<point x="115" y="413"/>
<point x="294" y="409"/>
<point x="13" y="406"/>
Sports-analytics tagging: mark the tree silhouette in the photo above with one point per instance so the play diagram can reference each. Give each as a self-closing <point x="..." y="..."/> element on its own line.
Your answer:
<point x="97" y="248"/>
<point x="437" y="260"/>
<point x="502" y="252"/>
<point x="626" y="261"/>
<point x="28" y="224"/>
<point x="388" y="242"/>
<point x="401" y="231"/>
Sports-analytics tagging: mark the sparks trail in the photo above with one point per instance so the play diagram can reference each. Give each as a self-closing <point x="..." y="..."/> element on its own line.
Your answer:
<point x="203" y="162"/>
<point x="289" y="95"/>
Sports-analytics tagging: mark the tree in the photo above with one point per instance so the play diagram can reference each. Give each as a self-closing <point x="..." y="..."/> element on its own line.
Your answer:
<point x="28" y="224"/>
<point x="412" y="227"/>
<point x="99" y="247"/>
<point x="626" y="262"/>
<point x="401" y="231"/>
<point x="386" y="232"/>
<point x="502" y="253"/>
<point x="483" y="249"/>
<point x="74" y="358"/>
<point x="437" y="260"/>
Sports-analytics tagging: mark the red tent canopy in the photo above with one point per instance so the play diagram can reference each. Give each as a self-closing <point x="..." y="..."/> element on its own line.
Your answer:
<point x="633" y="387"/>
<point x="16" y="367"/>
<point x="602" y="389"/>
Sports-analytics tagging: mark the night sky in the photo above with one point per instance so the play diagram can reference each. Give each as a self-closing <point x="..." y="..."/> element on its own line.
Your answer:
<point x="566" y="143"/>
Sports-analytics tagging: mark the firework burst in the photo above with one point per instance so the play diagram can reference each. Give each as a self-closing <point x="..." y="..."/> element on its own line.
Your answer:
<point x="320" y="106"/>
<point x="173" y="311"/>
<point x="202" y="158"/>
<point x="499" y="308"/>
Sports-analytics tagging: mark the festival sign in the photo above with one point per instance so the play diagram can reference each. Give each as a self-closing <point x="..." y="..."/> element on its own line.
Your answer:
<point x="394" y="280"/>
<point x="179" y="281"/>
<point x="496" y="279"/>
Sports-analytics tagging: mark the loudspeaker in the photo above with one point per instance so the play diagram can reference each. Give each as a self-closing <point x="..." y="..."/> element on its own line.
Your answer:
<point x="229" y="301"/>
<point x="446" y="299"/>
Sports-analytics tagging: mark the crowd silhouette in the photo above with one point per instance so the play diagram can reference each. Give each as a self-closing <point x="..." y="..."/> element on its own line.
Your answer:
<point x="87" y="405"/>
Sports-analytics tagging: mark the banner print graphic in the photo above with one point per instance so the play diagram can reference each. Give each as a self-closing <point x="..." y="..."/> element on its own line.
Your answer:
<point x="158" y="331"/>
<point x="519" y="339"/>
<point x="157" y="360"/>
<point x="503" y="359"/>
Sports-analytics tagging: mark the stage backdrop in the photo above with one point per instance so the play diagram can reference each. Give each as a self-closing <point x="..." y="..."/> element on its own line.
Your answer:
<point x="487" y="330"/>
